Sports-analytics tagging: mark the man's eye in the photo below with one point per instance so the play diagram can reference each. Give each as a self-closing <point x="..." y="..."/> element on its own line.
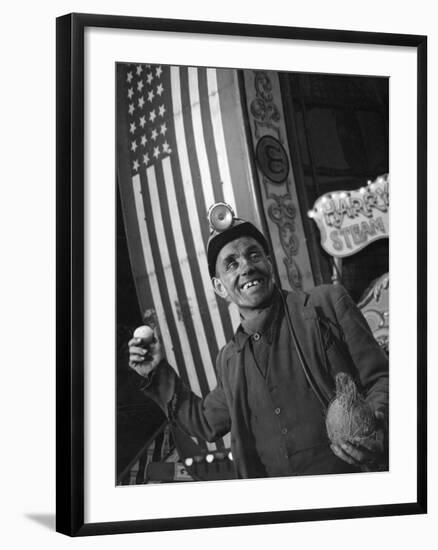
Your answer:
<point x="255" y="255"/>
<point x="231" y="265"/>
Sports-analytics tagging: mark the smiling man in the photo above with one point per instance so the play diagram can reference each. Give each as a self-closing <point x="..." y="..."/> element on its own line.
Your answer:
<point x="263" y="395"/>
<point x="243" y="275"/>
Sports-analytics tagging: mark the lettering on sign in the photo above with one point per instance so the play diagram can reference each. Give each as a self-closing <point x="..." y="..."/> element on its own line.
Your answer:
<point x="350" y="220"/>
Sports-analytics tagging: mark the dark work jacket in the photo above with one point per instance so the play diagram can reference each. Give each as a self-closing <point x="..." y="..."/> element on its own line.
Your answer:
<point x="333" y="337"/>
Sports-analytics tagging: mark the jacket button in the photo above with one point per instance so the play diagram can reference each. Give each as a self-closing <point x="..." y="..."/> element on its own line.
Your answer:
<point x="277" y="410"/>
<point x="256" y="336"/>
<point x="284" y="431"/>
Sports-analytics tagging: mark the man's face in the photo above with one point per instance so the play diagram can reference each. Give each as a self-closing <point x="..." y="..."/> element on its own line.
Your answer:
<point x="244" y="274"/>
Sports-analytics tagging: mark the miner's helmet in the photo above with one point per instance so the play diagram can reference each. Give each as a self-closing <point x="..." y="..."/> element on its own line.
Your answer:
<point x="224" y="228"/>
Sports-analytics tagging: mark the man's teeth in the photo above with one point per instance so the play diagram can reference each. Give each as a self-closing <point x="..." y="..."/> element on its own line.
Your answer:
<point x="252" y="283"/>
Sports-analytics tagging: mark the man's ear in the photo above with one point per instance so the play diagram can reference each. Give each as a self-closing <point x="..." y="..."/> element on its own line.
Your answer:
<point x="219" y="287"/>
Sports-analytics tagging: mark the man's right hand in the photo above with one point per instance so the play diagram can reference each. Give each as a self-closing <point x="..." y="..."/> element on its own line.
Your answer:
<point x="144" y="359"/>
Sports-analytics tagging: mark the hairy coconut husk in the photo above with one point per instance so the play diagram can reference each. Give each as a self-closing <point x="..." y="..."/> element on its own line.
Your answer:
<point x="348" y="415"/>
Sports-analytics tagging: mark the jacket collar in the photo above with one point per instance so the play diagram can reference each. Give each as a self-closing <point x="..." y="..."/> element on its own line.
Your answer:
<point x="264" y="325"/>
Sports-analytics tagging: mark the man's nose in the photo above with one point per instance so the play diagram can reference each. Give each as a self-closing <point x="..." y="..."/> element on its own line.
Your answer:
<point x="246" y="266"/>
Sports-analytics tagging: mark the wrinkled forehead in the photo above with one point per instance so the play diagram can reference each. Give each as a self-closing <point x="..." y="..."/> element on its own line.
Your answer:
<point x="241" y="245"/>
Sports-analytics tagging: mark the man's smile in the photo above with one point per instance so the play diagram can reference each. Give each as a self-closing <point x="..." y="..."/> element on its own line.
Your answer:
<point x="253" y="283"/>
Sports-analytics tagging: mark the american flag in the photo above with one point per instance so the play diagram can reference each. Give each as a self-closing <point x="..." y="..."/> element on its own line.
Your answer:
<point x="181" y="144"/>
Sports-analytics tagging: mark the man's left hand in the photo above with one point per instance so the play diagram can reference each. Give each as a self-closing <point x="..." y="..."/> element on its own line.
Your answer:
<point x="369" y="453"/>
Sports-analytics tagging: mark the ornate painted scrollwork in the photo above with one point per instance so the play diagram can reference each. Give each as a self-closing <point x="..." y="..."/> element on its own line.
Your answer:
<point x="273" y="163"/>
<point x="263" y="108"/>
<point x="283" y="212"/>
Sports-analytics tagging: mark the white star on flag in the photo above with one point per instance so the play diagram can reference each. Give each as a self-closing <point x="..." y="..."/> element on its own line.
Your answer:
<point x="160" y="89"/>
<point x="140" y="85"/>
<point x="139" y="69"/>
<point x="129" y="77"/>
<point x="154" y="134"/>
<point x="150" y="77"/>
<point x="163" y="129"/>
<point x="156" y="152"/>
<point x="132" y="127"/>
<point x="135" y="165"/>
<point x="131" y="108"/>
<point x="141" y="102"/>
<point x="162" y="110"/>
<point x="152" y="116"/>
<point x="133" y="146"/>
<point x="142" y="121"/>
<point x="166" y="147"/>
<point x="146" y="158"/>
<point x="151" y="96"/>
<point x="144" y="139"/>
<point x="158" y="71"/>
<point x="130" y="93"/>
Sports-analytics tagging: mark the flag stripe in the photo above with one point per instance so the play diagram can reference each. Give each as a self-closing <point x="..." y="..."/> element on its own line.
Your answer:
<point x="193" y="100"/>
<point x="195" y="122"/>
<point x="166" y="213"/>
<point x="150" y="270"/>
<point x="199" y="176"/>
<point x="193" y="259"/>
<point x="235" y="143"/>
<point x="208" y="139"/>
<point x="191" y="203"/>
<point x="209" y="135"/>
<point x="170" y="280"/>
<point x="181" y="252"/>
<point x="207" y="300"/>
<point x="172" y="321"/>
<point x="135" y="245"/>
<point x="222" y="159"/>
<point x="216" y="117"/>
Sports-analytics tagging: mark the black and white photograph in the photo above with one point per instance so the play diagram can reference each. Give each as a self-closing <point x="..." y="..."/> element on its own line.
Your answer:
<point x="219" y="257"/>
<point x="252" y="274"/>
<point x="233" y="202"/>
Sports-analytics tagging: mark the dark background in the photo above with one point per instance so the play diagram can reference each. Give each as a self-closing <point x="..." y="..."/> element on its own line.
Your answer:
<point x="338" y="134"/>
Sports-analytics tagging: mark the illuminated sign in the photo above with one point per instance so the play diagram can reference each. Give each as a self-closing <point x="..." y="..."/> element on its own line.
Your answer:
<point x="350" y="220"/>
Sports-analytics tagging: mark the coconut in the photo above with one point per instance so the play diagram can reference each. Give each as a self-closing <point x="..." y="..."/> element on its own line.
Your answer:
<point x="348" y="415"/>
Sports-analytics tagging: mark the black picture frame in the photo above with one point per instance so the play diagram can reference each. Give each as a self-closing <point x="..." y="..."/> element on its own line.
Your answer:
<point x="70" y="272"/>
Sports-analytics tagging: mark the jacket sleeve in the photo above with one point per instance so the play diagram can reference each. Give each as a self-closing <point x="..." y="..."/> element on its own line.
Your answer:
<point x="206" y="418"/>
<point x="370" y="361"/>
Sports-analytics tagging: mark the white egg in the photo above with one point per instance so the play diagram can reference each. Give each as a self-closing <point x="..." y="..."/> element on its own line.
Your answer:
<point x="145" y="333"/>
